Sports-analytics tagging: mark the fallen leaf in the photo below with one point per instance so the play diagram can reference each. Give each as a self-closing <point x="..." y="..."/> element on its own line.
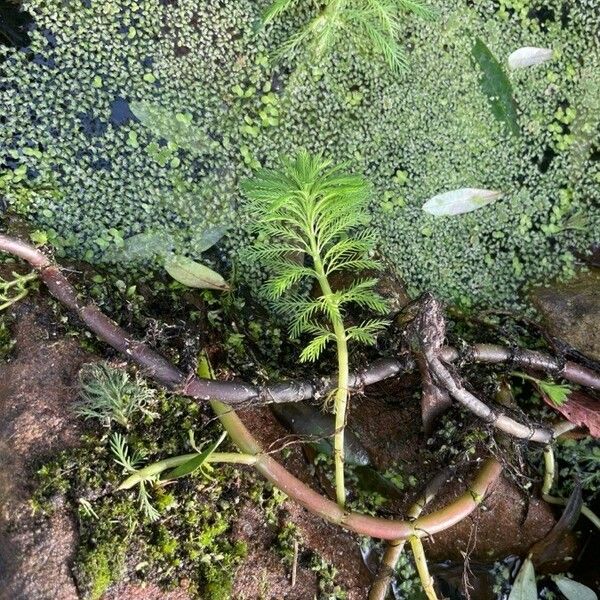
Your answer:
<point x="579" y="409"/>
<point x="524" y="587"/>
<point x="460" y="201"/>
<point x="573" y="590"/>
<point x="529" y="57"/>
<point x="193" y="274"/>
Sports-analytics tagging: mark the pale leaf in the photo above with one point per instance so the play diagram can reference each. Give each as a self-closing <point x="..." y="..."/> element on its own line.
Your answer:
<point x="524" y="587"/>
<point x="460" y="201"/>
<point x="529" y="57"/>
<point x="574" y="590"/>
<point x="193" y="274"/>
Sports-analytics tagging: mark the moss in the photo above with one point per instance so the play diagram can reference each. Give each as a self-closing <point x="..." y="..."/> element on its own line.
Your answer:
<point x="100" y="567"/>
<point x="117" y="178"/>
<point x="6" y="340"/>
<point x="190" y="542"/>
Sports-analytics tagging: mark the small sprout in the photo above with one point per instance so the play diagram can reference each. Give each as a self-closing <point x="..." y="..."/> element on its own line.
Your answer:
<point x="558" y="393"/>
<point x="109" y="395"/>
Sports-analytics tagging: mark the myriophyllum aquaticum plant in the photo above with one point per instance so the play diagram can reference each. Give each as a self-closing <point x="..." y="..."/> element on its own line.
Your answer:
<point x="312" y="223"/>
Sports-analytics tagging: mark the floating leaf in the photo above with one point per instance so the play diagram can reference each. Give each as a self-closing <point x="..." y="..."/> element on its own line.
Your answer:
<point x="206" y="239"/>
<point x="573" y="590"/>
<point x="528" y="57"/>
<point x="524" y="587"/>
<point x="193" y="274"/>
<point x="497" y="87"/>
<point x="174" y="127"/>
<point x="146" y="246"/>
<point x="460" y="201"/>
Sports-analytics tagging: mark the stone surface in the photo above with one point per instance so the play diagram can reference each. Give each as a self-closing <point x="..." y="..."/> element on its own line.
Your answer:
<point x="36" y="391"/>
<point x="571" y="311"/>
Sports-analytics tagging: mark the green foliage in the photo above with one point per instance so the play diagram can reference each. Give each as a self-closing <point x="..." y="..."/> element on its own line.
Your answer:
<point x="15" y="289"/>
<point x="434" y="126"/>
<point x="373" y="26"/>
<point x="115" y="543"/>
<point x="326" y="575"/>
<point x="579" y="460"/>
<point x="558" y="393"/>
<point x="497" y="87"/>
<point x="109" y="394"/>
<point x="311" y="222"/>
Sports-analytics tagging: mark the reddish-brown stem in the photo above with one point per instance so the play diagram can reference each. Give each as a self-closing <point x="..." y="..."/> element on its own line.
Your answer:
<point x="167" y="374"/>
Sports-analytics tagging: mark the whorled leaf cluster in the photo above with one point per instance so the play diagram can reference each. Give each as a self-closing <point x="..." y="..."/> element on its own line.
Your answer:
<point x="91" y="175"/>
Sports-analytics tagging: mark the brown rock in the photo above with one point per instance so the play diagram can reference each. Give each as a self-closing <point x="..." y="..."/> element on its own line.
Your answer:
<point x="36" y="391"/>
<point x="571" y="311"/>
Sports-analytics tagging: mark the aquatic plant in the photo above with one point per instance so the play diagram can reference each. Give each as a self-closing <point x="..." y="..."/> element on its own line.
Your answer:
<point x="105" y="177"/>
<point x="373" y="25"/>
<point x="311" y="223"/>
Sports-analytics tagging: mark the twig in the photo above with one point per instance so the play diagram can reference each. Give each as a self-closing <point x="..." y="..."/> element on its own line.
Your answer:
<point x="295" y="563"/>
<point x="241" y="393"/>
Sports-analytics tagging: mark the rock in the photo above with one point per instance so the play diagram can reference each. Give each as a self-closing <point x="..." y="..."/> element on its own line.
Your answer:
<point x="36" y="421"/>
<point x="571" y="311"/>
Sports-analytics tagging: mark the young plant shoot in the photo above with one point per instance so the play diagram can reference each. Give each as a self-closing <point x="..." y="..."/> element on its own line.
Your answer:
<point x="311" y="223"/>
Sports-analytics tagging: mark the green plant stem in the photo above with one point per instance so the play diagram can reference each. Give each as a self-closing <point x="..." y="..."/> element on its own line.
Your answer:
<point x="341" y="393"/>
<point x="20" y="283"/>
<point x="549" y="470"/>
<point x="421" y="562"/>
<point x="394" y="549"/>
<point x="549" y="473"/>
<point x="169" y="463"/>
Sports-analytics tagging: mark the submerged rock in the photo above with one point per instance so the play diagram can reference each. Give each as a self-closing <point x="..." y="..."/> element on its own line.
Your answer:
<point x="571" y="311"/>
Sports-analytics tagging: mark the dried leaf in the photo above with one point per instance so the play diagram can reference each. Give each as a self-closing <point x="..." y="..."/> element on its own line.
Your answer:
<point x="529" y="57"/>
<point x="581" y="410"/>
<point x="460" y="201"/>
<point x="524" y="587"/>
<point x="573" y="590"/>
<point x="193" y="274"/>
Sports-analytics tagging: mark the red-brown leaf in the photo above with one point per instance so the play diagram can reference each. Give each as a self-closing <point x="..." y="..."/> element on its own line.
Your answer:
<point x="581" y="410"/>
